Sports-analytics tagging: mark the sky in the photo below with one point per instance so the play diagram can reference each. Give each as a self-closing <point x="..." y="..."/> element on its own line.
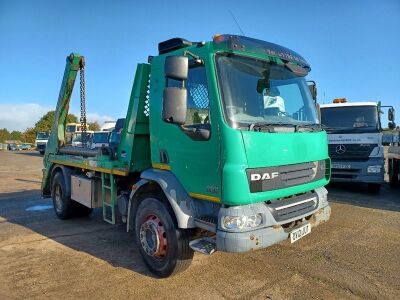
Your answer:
<point x="353" y="47"/>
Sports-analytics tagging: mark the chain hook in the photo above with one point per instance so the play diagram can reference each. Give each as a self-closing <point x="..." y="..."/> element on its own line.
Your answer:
<point x="83" y="104"/>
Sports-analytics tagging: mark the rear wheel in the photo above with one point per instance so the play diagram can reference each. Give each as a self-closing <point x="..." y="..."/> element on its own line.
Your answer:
<point x="374" y="187"/>
<point x="64" y="206"/>
<point x="62" y="202"/>
<point x="164" y="248"/>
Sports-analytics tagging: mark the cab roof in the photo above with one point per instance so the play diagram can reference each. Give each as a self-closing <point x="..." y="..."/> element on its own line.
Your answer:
<point x="237" y="42"/>
<point x="370" y="103"/>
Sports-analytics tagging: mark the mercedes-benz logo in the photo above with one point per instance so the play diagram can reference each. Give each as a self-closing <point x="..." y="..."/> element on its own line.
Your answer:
<point x="340" y="149"/>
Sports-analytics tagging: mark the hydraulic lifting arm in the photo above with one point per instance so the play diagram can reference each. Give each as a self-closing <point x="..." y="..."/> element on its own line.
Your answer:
<point x="74" y="63"/>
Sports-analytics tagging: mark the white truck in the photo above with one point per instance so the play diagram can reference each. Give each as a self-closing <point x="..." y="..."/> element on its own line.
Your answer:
<point x="100" y="138"/>
<point x="355" y="141"/>
<point x="77" y="138"/>
<point x="108" y="126"/>
<point x="41" y="141"/>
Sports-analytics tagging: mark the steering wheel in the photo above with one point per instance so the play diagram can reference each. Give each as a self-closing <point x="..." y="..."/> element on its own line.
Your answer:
<point x="284" y="114"/>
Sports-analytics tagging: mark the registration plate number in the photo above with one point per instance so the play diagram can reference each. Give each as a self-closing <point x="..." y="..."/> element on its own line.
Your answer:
<point x="298" y="233"/>
<point x="340" y="166"/>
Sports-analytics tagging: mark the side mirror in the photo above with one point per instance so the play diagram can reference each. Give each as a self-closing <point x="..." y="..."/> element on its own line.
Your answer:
<point x="174" y="105"/>
<point x="176" y="67"/>
<point x="313" y="89"/>
<point x="392" y="125"/>
<point x="174" y="102"/>
<point x="391" y="114"/>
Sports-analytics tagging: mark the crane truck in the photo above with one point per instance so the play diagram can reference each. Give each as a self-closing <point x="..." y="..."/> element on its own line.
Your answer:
<point x="221" y="150"/>
<point x="355" y="141"/>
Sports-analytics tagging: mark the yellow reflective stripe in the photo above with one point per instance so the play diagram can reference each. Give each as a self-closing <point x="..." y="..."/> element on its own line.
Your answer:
<point x="87" y="167"/>
<point x="205" y="197"/>
<point x="161" y="166"/>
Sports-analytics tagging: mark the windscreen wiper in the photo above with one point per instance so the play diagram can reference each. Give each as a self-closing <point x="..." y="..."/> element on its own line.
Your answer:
<point x="312" y="127"/>
<point x="269" y="126"/>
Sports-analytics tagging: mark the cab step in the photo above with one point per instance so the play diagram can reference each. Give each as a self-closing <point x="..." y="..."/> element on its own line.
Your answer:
<point x="208" y="223"/>
<point x="204" y="245"/>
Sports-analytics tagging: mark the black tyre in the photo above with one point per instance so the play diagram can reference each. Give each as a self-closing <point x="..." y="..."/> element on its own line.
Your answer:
<point x="41" y="152"/>
<point x="63" y="205"/>
<point x="164" y="248"/>
<point x="374" y="187"/>
<point x="393" y="172"/>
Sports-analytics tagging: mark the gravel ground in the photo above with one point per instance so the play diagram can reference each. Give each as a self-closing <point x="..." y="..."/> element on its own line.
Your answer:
<point x="355" y="255"/>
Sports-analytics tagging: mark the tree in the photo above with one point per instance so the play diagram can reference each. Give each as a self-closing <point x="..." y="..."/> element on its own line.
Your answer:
<point x="15" y="135"/>
<point x="29" y="135"/>
<point x="94" y="126"/>
<point x="4" y="135"/>
<point x="45" y="122"/>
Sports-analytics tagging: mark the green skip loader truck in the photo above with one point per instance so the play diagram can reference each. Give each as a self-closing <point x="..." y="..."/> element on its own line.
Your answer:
<point x="221" y="150"/>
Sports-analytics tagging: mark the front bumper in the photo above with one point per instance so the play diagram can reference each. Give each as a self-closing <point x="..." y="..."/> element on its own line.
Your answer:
<point x="357" y="171"/>
<point x="273" y="232"/>
<point x="41" y="147"/>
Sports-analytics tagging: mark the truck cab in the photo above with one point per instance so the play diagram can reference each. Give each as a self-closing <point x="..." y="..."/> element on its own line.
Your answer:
<point x="77" y="138"/>
<point x="99" y="139"/>
<point x="355" y="141"/>
<point x="70" y="129"/>
<point x="41" y="141"/>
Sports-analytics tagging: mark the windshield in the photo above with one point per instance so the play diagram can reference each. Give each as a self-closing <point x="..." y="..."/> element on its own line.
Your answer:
<point x="256" y="91"/>
<point x="71" y="128"/>
<point x="350" y="118"/>
<point x="42" y="135"/>
<point x="78" y="137"/>
<point x="100" y="137"/>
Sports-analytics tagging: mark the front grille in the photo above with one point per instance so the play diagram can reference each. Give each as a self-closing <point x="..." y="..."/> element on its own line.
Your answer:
<point x="292" y="207"/>
<point x="272" y="178"/>
<point x="344" y="173"/>
<point x="350" y="152"/>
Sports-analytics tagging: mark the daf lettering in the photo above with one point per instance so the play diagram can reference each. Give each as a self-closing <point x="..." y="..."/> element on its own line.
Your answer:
<point x="264" y="176"/>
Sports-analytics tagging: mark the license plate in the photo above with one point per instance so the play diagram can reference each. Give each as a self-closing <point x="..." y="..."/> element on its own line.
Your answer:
<point x="340" y="166"/>
<point x="300" y="232"/>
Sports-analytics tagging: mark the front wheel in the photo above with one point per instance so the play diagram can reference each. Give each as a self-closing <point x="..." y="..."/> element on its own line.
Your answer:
<point x="164" y="248"/>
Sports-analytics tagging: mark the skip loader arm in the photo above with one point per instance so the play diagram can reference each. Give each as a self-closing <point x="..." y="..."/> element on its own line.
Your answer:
<point x="74" y="63"/>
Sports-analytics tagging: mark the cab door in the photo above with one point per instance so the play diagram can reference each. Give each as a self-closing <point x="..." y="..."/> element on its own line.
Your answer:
<point x="192" y="151"/>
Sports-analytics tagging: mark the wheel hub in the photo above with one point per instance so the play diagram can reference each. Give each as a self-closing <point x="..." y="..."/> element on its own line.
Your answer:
<point x="153" y="237"/>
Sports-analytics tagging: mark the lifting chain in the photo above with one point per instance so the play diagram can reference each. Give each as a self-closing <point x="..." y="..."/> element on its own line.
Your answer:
<point x="83" y="106"/>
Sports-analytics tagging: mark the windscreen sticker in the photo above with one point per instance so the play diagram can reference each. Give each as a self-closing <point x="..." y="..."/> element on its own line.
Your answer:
<point x="362" y="138"/>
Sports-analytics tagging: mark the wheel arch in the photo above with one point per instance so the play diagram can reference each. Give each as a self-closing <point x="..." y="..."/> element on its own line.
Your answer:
<point x="166" y="182"/>
<point x="66" y="172"/>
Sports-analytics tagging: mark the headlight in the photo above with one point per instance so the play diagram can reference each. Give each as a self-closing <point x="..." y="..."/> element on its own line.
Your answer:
<point x="374" y="169"/>
<point x="241" y="222"/>
<point x="321" y="165"/>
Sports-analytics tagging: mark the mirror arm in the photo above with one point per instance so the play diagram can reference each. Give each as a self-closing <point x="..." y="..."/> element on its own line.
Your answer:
<point x="197" y="59"/>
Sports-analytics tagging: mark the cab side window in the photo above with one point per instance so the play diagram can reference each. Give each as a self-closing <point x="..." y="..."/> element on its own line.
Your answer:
<point x="198" y="102"/>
